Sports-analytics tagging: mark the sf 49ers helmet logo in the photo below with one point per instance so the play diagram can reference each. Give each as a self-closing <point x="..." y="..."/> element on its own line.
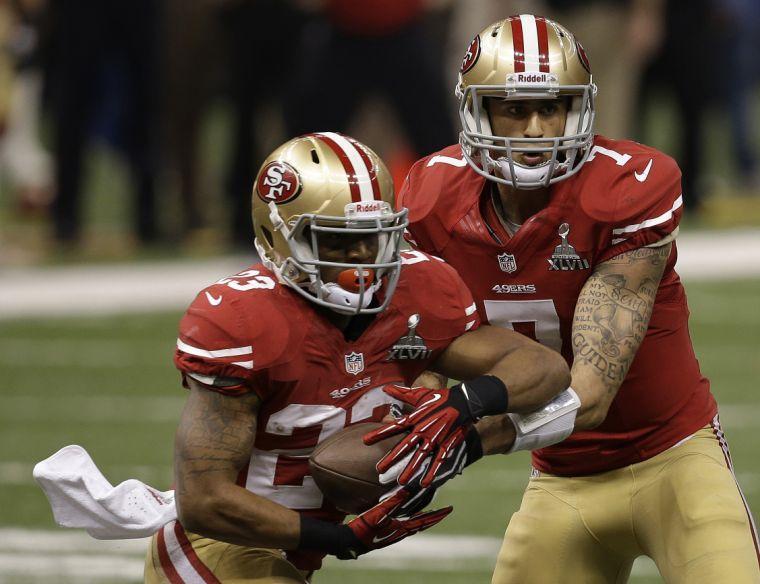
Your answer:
<point x="278" y="182"/>
<point x="471" y="56"/>
<point x="582" y="56"/>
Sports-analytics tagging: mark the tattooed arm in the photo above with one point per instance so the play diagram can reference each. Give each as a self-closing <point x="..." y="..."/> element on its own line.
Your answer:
<point x="610" y="322"/>
<point x="213" y="443"/>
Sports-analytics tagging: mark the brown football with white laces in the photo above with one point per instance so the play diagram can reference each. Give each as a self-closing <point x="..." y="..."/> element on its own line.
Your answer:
<point x="344" y="467"/>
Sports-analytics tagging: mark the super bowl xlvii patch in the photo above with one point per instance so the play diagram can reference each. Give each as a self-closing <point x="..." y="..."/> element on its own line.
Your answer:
<point x="410" y="346"/>
<point x="507" y="262"/>
<point x="565" y="257"/>
<point x="354" y="363"/>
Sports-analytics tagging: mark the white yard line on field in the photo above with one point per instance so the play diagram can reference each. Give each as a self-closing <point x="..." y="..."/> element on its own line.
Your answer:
<point x="109" y="289"/>
<point x="71" y="408"/>
<point x="146" y="287"/>
<point x="72" y="556"/>
<point x="78" y="353"/>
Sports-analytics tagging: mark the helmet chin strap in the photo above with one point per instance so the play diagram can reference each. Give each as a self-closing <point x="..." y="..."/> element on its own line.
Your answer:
<point x="525" y="175"/>
<point x="335" y="294"/>
<point x="347" y="290"/>
<point x="522" y="174"/>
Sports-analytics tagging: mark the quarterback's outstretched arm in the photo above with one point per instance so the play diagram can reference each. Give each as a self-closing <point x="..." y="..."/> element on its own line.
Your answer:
<point x="504" y="372"/>
<point x="610" y="322"/>
<point x="532" y="373"/>
<point x="213" y="442"/>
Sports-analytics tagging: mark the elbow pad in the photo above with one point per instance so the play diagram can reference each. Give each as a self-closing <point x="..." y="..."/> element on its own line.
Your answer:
<point x="548" y="425"/>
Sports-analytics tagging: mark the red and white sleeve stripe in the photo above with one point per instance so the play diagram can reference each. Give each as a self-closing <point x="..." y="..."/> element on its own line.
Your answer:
<point x="219" y="353"/>
<point x="468" y="312"/>
<point x="623" y="233"/>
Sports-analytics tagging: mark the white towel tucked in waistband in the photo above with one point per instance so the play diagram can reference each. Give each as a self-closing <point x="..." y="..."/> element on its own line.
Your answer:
<point x="82" y="497"/>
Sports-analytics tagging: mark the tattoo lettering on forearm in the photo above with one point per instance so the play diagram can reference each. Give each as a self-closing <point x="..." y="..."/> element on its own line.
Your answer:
<point x="609" y="369"/>
<point x="647" y="254"/>
<point x="613" y="310"/>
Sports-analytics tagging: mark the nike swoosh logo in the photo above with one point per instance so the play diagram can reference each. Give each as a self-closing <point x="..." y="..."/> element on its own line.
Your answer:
<point x="213" y="301"/>
<point x="641" y="177"/>
<point x="422" y="408"/>
<point x="377" y="539"/>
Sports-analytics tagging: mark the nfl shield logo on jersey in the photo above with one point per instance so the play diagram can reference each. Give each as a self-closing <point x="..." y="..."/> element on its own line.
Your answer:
<point x="354" y="363"/>
<point x="507" y="262"/>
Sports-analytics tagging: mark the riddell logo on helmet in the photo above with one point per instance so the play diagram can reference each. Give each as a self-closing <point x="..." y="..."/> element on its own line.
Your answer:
<point x="531" y="78"/>
<point x="368" y="207"/>
<point x="278" y="182"/>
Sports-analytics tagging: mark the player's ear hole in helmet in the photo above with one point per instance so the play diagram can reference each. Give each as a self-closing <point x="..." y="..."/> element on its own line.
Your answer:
<point x="318" y="199"/>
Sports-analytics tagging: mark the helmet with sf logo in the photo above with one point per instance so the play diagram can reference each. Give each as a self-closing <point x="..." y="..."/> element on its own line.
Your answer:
<point x="525" y="57"/>
<point x="328" y="183"/>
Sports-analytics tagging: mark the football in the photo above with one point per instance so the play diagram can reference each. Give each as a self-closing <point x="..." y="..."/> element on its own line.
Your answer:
<point x="344" y="468"/>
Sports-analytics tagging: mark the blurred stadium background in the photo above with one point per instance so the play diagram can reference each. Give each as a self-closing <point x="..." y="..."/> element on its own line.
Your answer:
<point x="152" y="117"/>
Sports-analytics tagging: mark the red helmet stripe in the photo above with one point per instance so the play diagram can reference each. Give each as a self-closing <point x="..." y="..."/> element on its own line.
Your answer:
<point x="518" y="44"/>
<point x="370" y="168"/>
<point x="543" y="44"/>
<point x="348" y="167"/>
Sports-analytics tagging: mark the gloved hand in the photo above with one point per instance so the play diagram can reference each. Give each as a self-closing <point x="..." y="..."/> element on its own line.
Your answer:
<point x="451" y="463"/>
<point x="382" y="526"/>
<point x="439" y="423"/>
<point x="376" y="528"/>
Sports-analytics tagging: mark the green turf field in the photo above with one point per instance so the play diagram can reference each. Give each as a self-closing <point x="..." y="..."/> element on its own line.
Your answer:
<point x="109" y="385"/>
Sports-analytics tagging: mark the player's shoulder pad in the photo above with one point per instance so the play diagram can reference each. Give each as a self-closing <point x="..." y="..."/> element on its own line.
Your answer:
<point x="237" y="325"/>
<point x="433" y="289"/>
<point x="625" y="183"/>
<point x="437" y="192"/>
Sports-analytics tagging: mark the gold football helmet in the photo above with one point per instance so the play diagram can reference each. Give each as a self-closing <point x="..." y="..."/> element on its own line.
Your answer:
<point x="328" y="183"/>
<point x="518" y="58"/>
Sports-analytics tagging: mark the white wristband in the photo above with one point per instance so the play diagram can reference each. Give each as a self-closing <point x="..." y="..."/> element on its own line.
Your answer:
<point x="551" y="424"/>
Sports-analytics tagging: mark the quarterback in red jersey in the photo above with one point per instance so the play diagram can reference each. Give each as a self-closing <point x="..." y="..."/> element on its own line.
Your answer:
<point x="283" y="354"/>
<point x="569" y="238"/>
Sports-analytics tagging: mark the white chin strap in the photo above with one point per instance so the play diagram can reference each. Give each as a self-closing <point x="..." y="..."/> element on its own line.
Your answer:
<point x="335" y="294"/>
<point x="523" y="174"/>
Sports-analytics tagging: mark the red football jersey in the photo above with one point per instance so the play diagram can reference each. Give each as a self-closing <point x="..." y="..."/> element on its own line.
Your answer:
<point x="311" y="380"/>
<point x="626" y="196"/>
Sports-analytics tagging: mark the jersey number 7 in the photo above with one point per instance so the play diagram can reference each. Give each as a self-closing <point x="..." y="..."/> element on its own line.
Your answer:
<point x="537" y="319"/>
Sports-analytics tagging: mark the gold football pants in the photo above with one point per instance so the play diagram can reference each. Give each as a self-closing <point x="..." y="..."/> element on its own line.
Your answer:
<point x="179" y="557"/>
<point x="682" y="508"/>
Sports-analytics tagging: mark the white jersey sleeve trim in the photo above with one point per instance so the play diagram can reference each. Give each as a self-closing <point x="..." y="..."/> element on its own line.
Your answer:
<point x="244" y="364"/>
<point x="650" y="222"/>
<point x="440" y="158"/>
<point x="470" y="309"/>
<point x="233" y="352"/>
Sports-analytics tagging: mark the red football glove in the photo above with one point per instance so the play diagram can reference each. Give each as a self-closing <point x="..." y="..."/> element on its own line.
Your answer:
<point x="438" y="423"/>
<point x="377" y="527"/>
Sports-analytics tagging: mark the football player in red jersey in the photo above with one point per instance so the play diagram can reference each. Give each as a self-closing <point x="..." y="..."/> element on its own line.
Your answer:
<point x="280" y="356"/>
<point x="569" y="238"/>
